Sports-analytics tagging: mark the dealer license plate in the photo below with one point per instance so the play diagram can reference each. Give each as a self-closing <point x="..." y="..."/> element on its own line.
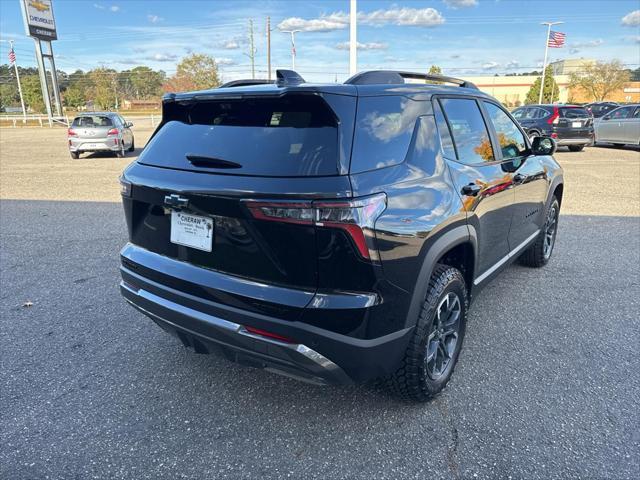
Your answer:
<point x="191" y="230"/>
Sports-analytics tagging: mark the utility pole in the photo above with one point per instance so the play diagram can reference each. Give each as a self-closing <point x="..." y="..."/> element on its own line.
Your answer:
<point x="546" y="51"/>
<point x="269" y="48"/>
<point x="353" y="38"/>
<point x="15" y="66"/>
<point x="252" y="51"/>
<point x="293" y="46"/>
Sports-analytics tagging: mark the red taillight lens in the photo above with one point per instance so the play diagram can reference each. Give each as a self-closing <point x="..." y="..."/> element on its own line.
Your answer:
<point x="113" y="131"/>
<point x="264" y="333"/>
<point x="555" y="118"/>
<point x="554" y="135"/>
<point x="71" y="132"/>
<point x="356" y="217"/>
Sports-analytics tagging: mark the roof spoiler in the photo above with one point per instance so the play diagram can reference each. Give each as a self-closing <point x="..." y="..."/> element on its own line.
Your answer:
<point x="245" y="82"/>
<point x="395" y="77"/>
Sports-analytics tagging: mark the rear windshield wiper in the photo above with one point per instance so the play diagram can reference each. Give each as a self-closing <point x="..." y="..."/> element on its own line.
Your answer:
<point x="211" y="162"/>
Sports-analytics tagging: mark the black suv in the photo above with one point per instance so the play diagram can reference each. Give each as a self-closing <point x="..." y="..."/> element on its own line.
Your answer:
<point x="334" y="233"/>
<point x="600" y="109"/>
<point x="569" y="125"/>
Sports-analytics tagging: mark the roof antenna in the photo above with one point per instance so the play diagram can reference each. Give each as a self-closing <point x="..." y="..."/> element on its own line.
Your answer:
<point x="288" y="77"/>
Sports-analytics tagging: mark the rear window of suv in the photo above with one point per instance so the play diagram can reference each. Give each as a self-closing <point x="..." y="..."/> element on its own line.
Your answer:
<point x="92" y="121"/>
<point x="573" y="112"/>
<point x="292" y="135"/>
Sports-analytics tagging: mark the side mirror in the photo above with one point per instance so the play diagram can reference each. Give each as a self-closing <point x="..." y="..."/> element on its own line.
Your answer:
<point x="129" y="124"/>
<point x="543" y="146"/>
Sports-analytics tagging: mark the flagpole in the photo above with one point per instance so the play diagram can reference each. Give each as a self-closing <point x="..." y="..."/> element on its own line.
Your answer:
<point x="546" y="51"/>
<point x="15" y="66"/>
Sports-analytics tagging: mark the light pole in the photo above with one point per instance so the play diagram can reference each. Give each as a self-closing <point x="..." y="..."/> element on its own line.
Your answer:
<point x="353" y="40"/>
<point x="293" y="46"/>
<point x="546" y="51"/>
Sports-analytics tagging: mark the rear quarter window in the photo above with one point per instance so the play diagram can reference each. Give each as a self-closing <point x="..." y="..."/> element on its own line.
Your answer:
<point x="384" y="128"/>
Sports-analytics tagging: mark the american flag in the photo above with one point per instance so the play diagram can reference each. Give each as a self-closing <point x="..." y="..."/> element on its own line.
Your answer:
<point x="556" y="39"/>
<point x="12" y="56"/>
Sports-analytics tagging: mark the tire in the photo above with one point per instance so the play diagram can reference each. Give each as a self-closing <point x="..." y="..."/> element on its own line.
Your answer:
<point x="133" y="145"/>
<point x="75" y="155"/>
<point x="576" y="148"/>
<point x="419" y="379"/>
<point x="538" y="254"/>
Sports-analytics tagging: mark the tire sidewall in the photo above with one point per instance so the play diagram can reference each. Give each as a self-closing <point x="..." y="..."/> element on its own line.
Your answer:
<point x="427" y="317"/>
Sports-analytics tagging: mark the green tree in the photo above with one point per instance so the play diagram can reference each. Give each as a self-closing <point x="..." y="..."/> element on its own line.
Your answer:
<point x="195" y="72"/>
<point x="600" y="79"/>
<point x="74" y="96"/>
<point x="104" y="87"/>
<point x="146" y="83"/>
<point x="550" y="93"/>
<point x="32" y="93"/>
<point x="9" y="95"/>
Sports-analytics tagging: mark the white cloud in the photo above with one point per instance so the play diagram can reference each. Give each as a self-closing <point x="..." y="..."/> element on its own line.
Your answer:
<point x="114" y="8"/>
<point x="225" y="61"/>
<point x="155" y="18"/>
<point x="163" y="57"/>
<point x="363" y="46"/>
<point x="461" y="3"/>
<point x="231" y="45"/>
<point x="635" y="39"/>
<point x="587" y="44"/>
<point x="631" y="19"/>
<point x="417" y="17"/>
<point x="325" y="23"/>
<point x="512" y="64"/>
<point x="490" y="65"/>
<point x="98" y="6"/>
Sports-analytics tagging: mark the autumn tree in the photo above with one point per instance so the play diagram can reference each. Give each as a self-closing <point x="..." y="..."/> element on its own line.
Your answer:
<point x="550" y="93"/>
<point x="600" y="79"/>
<point x="195" y="72"/>
<point x="103" y="89"/>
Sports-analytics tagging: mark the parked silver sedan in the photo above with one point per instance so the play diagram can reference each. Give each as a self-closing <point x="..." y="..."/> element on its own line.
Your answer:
<point x="620" y="126"/>
<point x="100" y="132"/>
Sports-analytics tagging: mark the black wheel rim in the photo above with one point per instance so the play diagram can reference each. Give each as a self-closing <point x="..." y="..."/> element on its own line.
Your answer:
<point x="443" y="336"/>
<point x="550" y="229"/>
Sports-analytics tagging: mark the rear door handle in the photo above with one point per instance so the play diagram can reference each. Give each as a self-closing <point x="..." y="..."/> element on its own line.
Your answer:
<point x="471" y="190"/>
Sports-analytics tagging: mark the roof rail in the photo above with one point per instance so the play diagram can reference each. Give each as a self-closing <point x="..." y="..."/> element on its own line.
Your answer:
<point x="288" y="77"/>
<point x="394" y="77"/>
<point x="244" y="83"/>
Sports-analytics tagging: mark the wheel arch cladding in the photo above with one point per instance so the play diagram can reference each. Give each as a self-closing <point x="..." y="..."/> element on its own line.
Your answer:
<point x="457" y="240"/>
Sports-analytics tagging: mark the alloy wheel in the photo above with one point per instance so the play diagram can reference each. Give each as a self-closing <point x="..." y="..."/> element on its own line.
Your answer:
<point x="550" y="232"/>
<point x="443" y="336"/>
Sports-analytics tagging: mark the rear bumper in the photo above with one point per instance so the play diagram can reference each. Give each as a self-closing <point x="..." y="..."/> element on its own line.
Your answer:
<point x="111" y="144"/>
<point x="313" y="354"/>
<point x="563" y="142"/>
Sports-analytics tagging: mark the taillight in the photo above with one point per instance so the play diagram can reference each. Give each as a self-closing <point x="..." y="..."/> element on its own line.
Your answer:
<point x="555" y="118"/>
<point x="113" y="131"/>
<point x="355" y="217"/>
<point x="71" y="132"/>
<point x="264" y="333"/>
<point x="554" y="135"/>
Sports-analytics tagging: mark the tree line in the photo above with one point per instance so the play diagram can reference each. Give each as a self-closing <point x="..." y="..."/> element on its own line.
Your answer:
<point x="105" y="87"/>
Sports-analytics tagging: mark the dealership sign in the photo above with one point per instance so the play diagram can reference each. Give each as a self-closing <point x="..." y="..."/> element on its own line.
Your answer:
<point x="38" y="19"/>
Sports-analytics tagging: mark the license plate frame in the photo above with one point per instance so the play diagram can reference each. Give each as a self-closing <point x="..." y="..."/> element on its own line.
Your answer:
<point x="576" y="124"/>
<point x="193" y="231"/>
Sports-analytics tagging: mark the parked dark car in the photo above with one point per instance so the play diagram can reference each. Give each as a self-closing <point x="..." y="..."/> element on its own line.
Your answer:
<point x="334" y="233"/>
<point x="600" y="109"/>
<point x="569" y="125"/>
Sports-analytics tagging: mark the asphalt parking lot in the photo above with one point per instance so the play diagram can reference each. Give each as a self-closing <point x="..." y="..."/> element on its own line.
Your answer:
<point x="548" y="384"/>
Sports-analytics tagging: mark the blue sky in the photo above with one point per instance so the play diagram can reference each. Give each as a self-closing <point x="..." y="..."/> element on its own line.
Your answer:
<point x="464" y="37"/>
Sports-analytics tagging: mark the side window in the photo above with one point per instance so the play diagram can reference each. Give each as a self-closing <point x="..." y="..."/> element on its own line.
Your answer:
<point x="511" y="139"/>
<point x="621" y="113"/>
<point x="446" y="142"/>
<point x="541" y="113"/>
<point x="384" y="127"/>
<point x="520" y="113"/>
<point x="636" y="113"/>
<point x="469" y="131"/>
